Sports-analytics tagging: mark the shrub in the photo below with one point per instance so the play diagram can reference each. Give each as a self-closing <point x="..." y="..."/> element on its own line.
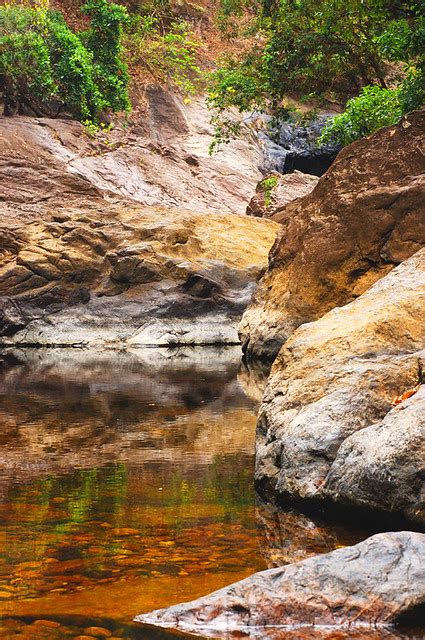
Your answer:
<point x="43" y="63"/>
<point x="169" y="57"/>
<point x="374" y="108"/>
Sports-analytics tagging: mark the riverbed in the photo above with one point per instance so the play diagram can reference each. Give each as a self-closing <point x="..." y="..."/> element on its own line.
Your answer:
<point x="126" y="484"/>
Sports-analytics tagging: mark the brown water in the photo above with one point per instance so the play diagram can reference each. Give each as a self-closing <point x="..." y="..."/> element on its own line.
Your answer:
<point x="126" y="485"/>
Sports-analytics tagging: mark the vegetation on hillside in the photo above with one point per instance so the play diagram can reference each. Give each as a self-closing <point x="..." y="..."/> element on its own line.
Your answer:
<point x="47" y="67"/>
<point x="365" y="55"/>
<point x="370" y="52"/>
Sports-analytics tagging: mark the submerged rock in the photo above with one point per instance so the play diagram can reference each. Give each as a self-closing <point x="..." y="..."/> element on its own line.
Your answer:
<point x="344" y="587"/>
<point x="82" y="264"/>
<point x="326" y="427"/>
<point x="365" y="216"/>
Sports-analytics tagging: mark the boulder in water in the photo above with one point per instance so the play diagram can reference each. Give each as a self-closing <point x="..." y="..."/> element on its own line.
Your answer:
<point x="342" y="588"/>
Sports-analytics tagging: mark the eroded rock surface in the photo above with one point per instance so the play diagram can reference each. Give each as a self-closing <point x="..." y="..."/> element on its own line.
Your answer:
<point x="82" y="264"/>
<point x="162" y="159"/>
<point x="344" y="587"/>
<point x="327" y="427"/>
<point x="275" y="191"/>
<point x="365" y="216"/>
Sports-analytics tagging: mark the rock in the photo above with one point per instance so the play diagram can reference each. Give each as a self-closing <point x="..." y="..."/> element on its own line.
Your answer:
<point x="326" y="428"/>
<point x="95" y="267"/>
<point x="292" y="146"/>
<point x="384" y="464"/>
<point x="365" y="216"/>
<point x="51" y="624"/>
<point x="276" y="190"/>
<point x="146" y="162"/>
<point x="98" y="632"/>
<point x="344" y="587"/>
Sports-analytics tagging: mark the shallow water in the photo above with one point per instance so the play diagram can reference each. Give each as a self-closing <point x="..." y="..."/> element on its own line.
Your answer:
<point x="126" y="485"/>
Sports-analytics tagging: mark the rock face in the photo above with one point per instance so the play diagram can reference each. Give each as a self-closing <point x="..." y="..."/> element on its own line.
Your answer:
<point x="365" y="216"/>
<point x="162" y="159"/>
<point x="293" y="147"/>
<point x="344" y="587"/>
<point x="82" y="264"/>
<point x="326" y="428"/>
<point x="275" y="191"/>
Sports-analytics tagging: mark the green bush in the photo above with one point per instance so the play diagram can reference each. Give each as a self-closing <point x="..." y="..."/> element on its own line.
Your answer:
<point x="374" y="108"/>
<point x="43" y="63"/>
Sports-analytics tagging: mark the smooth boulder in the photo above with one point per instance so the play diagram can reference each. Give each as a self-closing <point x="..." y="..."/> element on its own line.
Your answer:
<point x="365" y="216"/>
<point x="342" y="588"/>
<point x="327" y="428"/>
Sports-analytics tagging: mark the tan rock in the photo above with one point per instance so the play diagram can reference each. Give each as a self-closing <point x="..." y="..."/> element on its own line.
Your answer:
<point x="98" y="632"/>
<point x="337" y="377"/>
<point x="79" y="264"/>
<point x="275" y="191"/>
<point x="365" y="216"/>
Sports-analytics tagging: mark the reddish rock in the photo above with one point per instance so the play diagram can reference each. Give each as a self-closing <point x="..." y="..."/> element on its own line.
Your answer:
<point x="365" y="216"/>
<point x="344" y="587"/>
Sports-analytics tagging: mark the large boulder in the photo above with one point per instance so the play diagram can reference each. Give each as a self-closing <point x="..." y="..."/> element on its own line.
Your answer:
<point x="327" y="427"/>
<point x="365" y="216"/>
<point x="82" y="264"/>
<point x="343" y="587"/>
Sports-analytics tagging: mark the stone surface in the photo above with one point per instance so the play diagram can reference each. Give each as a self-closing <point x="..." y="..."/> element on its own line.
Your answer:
<point x="344" y="587"/>
<point x="292" y="146"/>
<point x="337" y="377"/>
<point x="384" y="464"/>
<point x="365" y="216"/>
<point x="82" y="264"/>
<point x="275" y="191"/>
<point x="160" y="159"/>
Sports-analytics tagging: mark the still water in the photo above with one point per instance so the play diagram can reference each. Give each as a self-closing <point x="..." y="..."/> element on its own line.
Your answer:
<point x="126" y="485"/>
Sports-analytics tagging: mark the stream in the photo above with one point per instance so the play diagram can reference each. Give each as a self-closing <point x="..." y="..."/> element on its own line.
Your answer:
<point x="126" y="485"/>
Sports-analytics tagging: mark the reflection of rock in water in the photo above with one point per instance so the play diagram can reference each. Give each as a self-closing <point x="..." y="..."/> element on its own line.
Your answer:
<point x="253" y="378"/>
<point x="289" y="536"/>
<point x="293" y="146"/>
<point x="68" y="408"/>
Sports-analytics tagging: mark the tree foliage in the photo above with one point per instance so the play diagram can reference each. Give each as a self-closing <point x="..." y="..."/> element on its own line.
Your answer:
<point x="329" y="49"/>
<point x="47" y="67"/>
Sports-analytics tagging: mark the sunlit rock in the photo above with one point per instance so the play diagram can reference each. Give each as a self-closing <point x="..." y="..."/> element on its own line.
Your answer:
<point x="327" y="427"/>
<point x="341" y="588"/>
<point x="365" y="216"/>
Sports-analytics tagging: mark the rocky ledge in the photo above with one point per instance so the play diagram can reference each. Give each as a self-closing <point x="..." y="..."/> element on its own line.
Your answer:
<point x="342" y="416"/>
<point x="361" y="587"/>
<point x="364" y="217"/>
<point x="81" y="264"/>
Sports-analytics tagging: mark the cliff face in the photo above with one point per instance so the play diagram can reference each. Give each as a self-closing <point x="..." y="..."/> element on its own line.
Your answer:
<point x="365" y="216"/>
<point x="85" y="260"/>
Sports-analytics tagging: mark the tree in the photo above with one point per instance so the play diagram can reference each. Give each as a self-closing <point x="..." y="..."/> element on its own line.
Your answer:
<point x="46" y="67"/>
<point x="329" y="49"/>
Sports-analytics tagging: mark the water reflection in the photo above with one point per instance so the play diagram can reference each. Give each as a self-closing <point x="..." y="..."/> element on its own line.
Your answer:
<point x="126" y="485"/>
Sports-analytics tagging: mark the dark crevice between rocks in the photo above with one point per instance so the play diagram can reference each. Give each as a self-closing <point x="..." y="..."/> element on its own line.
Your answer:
<point x="412" y="617"/>
<point x="377" y="521"/>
